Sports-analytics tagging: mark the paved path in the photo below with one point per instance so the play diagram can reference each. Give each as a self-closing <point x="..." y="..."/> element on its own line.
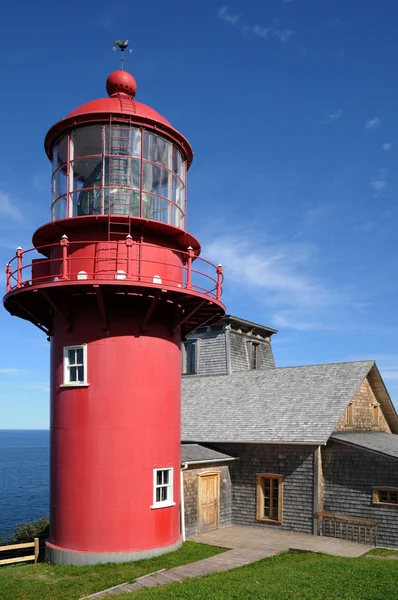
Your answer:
<point x="247" y="545"/>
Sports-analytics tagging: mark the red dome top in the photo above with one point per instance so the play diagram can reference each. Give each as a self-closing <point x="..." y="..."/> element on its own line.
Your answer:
<point x="121" y="87"/>
<point x="121" y="82"/>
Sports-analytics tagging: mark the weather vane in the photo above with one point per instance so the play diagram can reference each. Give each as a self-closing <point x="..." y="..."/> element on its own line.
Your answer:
<point x="122" y="47"/>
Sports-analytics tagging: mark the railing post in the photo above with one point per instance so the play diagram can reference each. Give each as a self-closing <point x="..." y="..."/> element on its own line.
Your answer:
<point x="8" y="277"/>
<point x="191" y="255"/>
<point x="19" y="267"/>
<point x="129" y="244"/>
<point x="64" y="245"/>
<point x="219" y="281"/>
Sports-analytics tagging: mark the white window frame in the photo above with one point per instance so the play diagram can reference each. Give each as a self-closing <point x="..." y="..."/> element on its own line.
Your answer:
<point x="170" y="493"/>
<point x="66" y="381"/>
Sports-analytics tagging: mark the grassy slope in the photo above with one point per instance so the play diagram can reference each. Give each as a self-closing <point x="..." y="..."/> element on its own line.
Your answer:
<point x="289" y="576"/>
<point x="43" y="581"/>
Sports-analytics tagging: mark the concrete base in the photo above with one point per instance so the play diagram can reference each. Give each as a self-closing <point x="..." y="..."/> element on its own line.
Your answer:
<point x="62" y="556"/>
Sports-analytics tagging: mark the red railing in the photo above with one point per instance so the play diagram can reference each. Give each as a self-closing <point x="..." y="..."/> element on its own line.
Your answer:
<point x="124" y="260"/>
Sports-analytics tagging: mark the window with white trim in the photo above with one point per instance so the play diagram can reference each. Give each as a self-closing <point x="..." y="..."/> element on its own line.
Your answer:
<point x="75" y="365"/>
<point x="162" y="488"/>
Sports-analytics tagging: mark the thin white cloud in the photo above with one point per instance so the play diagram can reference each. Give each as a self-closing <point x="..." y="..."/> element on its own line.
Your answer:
<point x="228" y="17"/>
<point x="10" y="371"/>
<point x="9" y="209"/>
<point x="373" y="123"/>
<point x="379" y="183"/>
<point x="260" y="31"/>
<point x="331" y="116"/>
<point x="284" y="34"/>
<point x="387" y="146"/>
<point x="279" y="276"/>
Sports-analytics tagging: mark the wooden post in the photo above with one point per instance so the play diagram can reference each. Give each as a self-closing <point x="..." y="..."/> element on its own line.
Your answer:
<point x="64" y="245"/>
<point x="19" y="268"/>
<point x="36" y="542"/>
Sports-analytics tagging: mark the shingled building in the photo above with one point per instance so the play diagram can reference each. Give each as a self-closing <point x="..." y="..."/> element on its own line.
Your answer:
<point x="311" y="449"/>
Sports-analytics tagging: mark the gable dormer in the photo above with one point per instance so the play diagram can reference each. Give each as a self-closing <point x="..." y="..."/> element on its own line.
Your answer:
<point x="226" y="347"/>
<point x="369" y="409"/>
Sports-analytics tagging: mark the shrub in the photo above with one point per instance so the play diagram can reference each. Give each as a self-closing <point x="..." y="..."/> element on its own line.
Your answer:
<point x="25" y="532"/>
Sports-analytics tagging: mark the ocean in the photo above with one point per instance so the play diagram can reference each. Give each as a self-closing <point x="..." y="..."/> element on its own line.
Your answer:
<point x="24" y="476"/>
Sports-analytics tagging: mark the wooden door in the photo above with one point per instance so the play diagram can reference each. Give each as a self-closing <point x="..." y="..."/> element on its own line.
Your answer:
<point x="209" y="501"/>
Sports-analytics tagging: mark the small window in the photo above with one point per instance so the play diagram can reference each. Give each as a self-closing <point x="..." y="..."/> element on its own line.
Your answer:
<point x="269" y="498"/>
<point x="376" y="415"/>
<point x="162" y="488"/>
<point x="254" y="350"/>
<point x="75" y="365"/>
<point x="349" y="415"/>
<point x="385" y="496"/>
<point x="190" y="357"/>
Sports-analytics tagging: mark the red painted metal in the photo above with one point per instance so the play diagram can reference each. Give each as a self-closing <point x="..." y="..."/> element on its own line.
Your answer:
<point x="121" y="82"/>
<point x="101" y="260"/>
<point x="128" y="288"/>
<point x="107" y="438"/>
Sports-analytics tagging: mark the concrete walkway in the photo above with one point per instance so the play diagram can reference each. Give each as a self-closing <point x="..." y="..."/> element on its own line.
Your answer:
<point x="247" y="545"/>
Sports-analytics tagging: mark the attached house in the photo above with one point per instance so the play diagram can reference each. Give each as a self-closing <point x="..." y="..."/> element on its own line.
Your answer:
<point x="311" y="449"/>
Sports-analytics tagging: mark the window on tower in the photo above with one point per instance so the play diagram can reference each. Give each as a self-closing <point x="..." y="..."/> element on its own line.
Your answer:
<point x="75" y="365"/>
<point x="162" y="488"/>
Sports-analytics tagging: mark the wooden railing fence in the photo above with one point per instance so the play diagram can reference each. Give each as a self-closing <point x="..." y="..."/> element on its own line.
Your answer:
<point x="34" y="556"/>
<point x="361" y="531"/>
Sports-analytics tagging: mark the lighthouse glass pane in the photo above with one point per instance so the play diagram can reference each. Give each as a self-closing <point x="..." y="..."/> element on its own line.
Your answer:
<point x="122" y="140"/>
<point x="122" y="171"/>
<point x="157" y="180"/>
<point x="87" y="176"/>
<point x="178" y="192"/>
<point x="121" y="201"/>
<point x="86" y="141"/>
<point x="58" y="184"/>
<point x="177" y="217"/>
<point x="157" y="149"/>
<point x="178" y="161"/>
<point x="60" y="153"/>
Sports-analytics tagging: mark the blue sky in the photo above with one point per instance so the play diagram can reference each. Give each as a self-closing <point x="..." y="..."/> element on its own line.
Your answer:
<point x="291" y="108"/>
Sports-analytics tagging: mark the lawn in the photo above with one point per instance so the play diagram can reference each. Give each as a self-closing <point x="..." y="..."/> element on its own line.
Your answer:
<point x="289" y="576"/>
<point x="44" y="581"/>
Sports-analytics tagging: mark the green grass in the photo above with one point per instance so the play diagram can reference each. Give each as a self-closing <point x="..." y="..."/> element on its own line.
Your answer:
<point x="289" y="576"/>
<point x="47" y="582"/>
<point x="382" y="552"/>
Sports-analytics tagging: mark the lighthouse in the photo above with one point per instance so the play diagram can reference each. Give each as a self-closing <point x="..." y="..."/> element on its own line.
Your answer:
<point x="115" y="281"/>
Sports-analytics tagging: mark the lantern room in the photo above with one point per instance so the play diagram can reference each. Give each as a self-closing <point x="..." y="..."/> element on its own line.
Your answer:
<point x="121" y="170"/>
<point x="116" y="156"/>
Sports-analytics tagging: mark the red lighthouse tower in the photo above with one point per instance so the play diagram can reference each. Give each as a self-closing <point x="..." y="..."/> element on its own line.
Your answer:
<point x="116" y="282"/>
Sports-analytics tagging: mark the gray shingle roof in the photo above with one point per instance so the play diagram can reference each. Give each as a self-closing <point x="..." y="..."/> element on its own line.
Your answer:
<point x="195" y="453"/>
<point x="285" y="405"/>
<point x="377" y="441"/>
